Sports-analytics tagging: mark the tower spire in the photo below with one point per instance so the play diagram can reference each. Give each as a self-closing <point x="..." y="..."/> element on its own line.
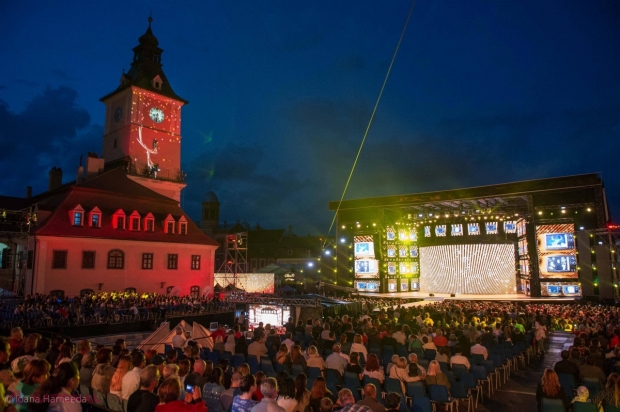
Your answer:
<point x="150" y="18"/>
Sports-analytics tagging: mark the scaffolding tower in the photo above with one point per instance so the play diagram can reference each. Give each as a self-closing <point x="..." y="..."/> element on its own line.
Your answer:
<point x="235" y="264"/>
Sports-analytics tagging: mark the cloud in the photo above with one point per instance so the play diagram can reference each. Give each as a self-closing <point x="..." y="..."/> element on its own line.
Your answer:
<point x="52" y="130"/>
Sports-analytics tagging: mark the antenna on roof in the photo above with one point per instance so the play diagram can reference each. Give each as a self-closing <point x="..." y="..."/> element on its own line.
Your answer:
<point x="150" y="18"/>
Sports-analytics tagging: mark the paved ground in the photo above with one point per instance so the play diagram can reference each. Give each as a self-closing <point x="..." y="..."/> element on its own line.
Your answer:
<point x="518" y="394"/>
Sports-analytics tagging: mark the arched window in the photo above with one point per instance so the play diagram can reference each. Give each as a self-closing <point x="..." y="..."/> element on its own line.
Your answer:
<point x="85" y="292"/>
<point x="116" y="259"/>
<point x="58" y="293"/>
<point x="130" y="290"/>
<point x="194" y="291"/>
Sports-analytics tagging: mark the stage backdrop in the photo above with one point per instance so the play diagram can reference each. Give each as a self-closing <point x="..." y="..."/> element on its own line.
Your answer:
<point x="468" y="269"/>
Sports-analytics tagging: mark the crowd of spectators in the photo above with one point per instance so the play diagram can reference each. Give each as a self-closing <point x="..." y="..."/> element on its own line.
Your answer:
<point x="46" y="310"/>
<point x="351" y="363"/>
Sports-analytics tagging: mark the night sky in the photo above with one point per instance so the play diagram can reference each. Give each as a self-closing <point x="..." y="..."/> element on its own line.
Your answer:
<point x="280" y="94"/>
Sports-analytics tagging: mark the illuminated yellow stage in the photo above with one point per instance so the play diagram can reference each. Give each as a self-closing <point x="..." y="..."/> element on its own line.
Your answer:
<point x="444" y="296"/>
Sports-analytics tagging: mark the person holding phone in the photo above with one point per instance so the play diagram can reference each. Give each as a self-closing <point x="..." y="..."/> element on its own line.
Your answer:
<point x="169" y="393"/>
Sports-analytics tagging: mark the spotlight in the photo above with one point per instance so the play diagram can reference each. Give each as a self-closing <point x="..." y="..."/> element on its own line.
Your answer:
<point x="343" y="240"/>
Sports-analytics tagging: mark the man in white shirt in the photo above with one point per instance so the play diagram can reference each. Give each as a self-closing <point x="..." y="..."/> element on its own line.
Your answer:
<point x="336" y="361"/>
<point x="459" y="359"/>
<point x="399" y="335"/>
<point x="325" y="333"/>
<point x="428" y="344"/>
<point x="478" y="349"/>
<point x="289" y="341"/>
<point x="178" y="341"/>
<point x="131" y="380"/>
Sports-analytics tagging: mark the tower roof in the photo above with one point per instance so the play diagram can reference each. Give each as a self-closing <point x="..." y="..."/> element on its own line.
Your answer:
<point x="211" y="198"/>
<point x="146" y="66"/>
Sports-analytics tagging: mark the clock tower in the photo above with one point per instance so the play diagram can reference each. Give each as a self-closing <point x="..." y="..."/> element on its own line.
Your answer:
<point x="142" y="130"/>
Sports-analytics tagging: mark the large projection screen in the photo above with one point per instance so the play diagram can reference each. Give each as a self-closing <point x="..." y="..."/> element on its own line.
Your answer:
<point x="479" y="269"/>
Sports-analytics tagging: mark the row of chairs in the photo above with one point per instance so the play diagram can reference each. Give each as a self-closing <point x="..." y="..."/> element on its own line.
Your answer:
<point x="108" y="401"/>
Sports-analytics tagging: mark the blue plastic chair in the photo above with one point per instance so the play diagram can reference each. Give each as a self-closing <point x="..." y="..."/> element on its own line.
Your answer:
<point x="401" y="350"/>
<point x="459" y="369"/>
<point x="468" y="380"/>
<point x="567" y="382"/>
<point x="332" y="378"/>
<point x="392" y="385"/>
<point x="253" y="363"/>
<point x="267" y="367"/>
<point x="416" y="389"/>
<point x="444" y="367"/>
<point x="314" y="373"/>
<point x="480" y="373"/>
<point x="439" y="395"/>
<point x="297" y="369"/>
<point x="552" y="405"/>
<point x="351" y="380"/>
<point x="593" y="385"/>
<point x="476" y="359"/>
<point x="421" y="404"/>
<point x="430" y="354"/>
<point x="423" y="363"/>
<point x="459" y="392"/>
<point x="238" y="359"/>
<point x="584" y="407"/>
<point x="366" y="380"/>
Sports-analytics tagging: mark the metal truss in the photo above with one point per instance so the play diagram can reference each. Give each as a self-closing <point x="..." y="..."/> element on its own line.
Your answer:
<point x="270" y="300"/>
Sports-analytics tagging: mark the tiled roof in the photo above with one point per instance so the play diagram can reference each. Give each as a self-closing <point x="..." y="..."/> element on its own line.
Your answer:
<point x="109" y="192"/>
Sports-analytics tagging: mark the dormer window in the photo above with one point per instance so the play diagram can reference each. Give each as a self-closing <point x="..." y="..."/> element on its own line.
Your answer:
<point x="169" y="224"/>
<point x="149" y="223"/>
<point x="183" y="226"/>
<point x="94" y="217"/>
<point x="118" y="219"/>
<point x="134" y="221"/>
<point x="76" y="216"/>
<point x="157" y="82"/>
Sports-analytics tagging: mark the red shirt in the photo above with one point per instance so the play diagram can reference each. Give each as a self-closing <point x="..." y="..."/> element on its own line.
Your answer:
<point x="440" y="341"/>
<point x="181" y="406"/>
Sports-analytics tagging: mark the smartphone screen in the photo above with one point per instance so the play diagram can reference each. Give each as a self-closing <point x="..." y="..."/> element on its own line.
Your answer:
<point x="189" y="389"/>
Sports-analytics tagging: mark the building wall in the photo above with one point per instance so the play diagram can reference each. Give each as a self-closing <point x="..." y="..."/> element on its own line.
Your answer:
<point x="74" y="278"/>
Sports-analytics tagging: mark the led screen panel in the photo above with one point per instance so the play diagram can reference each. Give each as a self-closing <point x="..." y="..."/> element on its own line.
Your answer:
<point x="570" y="289"/>
<point x="367" y="285"/>
<point x="469" y="269"/>
<point x="366" y="266"/>
<point x="557" y="255"/>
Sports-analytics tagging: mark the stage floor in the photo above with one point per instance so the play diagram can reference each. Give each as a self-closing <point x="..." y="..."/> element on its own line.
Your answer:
<point x="444" y="296"/>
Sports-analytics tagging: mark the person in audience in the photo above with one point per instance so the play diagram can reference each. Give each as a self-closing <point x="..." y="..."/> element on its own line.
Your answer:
<point x="257" y="348"/>
<point x="171" y="371"/>
<point x="282" y="354"/>
<point x="89" y="362"/>
<point x="400" y="371"/>
<point x="116" y="384"/>
<point x="144" y="400"/>
<point x="549" y="387"/>
<point x="478" y="349"/>
<point x="169" y="393"/>
<point x="269" y="389"/>
<point x="288" y="341"/>
<point x="229" y="394"/>
<point x="326" y="405"/>
<point x="335" y="361"/>
<point x="259" y="378"/>
<point x="354" y="365"/>
<point x="575" y="357"/>
<point x="345" y="344"/>
<point x="243" y="402"/>
<point x="35" y="373"/>
<point x="54" y="351"/>
<point x="83" y="347"/>
<point x="439" y="340"/>
<point x="219" y="344"/>
<point x="589" y="370"/>
<point x="102" y="375"/>
<point x="358" y="346"/>
<point x="286" y="395"/>
<point x="296" y="357"/>
<point x="413" y="343"/>
<point x="56" y="393"/>
<point x="184" y="368"/>
<point x="197" y="379"/>
<point x="610" y="395"/>
<point x="392" y="402"/>
<point x="414" y="370"/>
<point x="243" y="369"/>
<point x="5" y="354"/>
<point x="17" y="336"/>
<point x="318" y="392"/>
<point x="434" y="375"/>
<point x="443" y="355"/>
<point x="346" y="399"/>
<point x="582" y="395"/>
<point x="314" y="360"/>
<point x="427" y="343"/>
<point x="459" y="359"/>
<point x="302" y="394"/>
<point x="372" y="369"/>
<point x="229" y="345"/>
<point x="178" y="340"/>
<point x="212" y="390"/>
<point x="370" y="399"/>
<point x="566" y="366"/>
<point x="171" y="356"/>
<point x="43" y="347"/>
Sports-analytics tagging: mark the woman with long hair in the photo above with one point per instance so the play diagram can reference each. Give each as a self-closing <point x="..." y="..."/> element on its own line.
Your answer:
<point x="286" y="395"/>
<point x="169" y="393"/>
<point x="549" y="387"/>
<point x="319" y="391"/>
<point x="358" y="346"/>
<point x="259" y="377"/>
<point x="56" y="392"/>
<point x="610" y="395"/>
<point x="116" y="384"/>
<point x="434" y="376"/>
<point x="302" y="394"/>
<point x="282" y="354"/>
<point x="296" y="357"/>
<point x="66" y="353"/>
<point x="315" y="360"/>
<point x="372" y="368"/>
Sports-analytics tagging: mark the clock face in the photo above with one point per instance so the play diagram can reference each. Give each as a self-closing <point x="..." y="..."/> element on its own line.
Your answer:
<point x="156" y="114"/>
<point x="118" y="114"/>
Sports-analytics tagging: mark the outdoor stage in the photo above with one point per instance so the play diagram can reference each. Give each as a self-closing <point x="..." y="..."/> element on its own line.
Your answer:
<point x="446" y="296"/>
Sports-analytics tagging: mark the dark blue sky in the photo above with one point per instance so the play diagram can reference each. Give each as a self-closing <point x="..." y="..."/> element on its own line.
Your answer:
<point x="280" y="94"/>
